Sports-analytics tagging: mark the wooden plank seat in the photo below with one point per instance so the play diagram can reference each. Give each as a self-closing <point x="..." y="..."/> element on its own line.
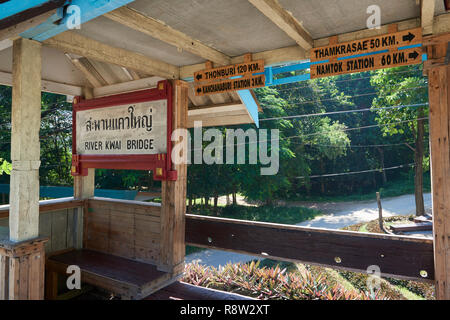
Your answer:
<point x="126" y="278"/>
<point x="185" y="291"/>
<point x="409" y="227"/>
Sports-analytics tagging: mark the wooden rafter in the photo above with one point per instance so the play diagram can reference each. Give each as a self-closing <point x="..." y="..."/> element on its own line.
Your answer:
<point x="47" y="86"/>
<point x="295" y="53"/>
<point x="74" y="43"/>
<point x="157" y="29"/>
<point x="129" y="86"/>
<point x="285" y="21"/>
<point x="92" y="76"/>
<point x="131" y="74"/>
<point x="427" y="16"/>
<point x="13" y="31"/>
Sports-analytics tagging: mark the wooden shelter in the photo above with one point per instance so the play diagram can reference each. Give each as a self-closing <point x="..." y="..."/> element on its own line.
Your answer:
<point x="134" y="248"/>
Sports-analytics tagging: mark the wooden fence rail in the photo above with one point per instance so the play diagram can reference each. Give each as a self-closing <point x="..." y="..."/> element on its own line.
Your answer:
<point x="48" y="205"/>
<point x="398" y="256"/>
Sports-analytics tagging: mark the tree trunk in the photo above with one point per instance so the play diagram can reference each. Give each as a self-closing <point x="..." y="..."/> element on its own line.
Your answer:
<point x="322" y="180"/>
<point x="216" y="200"/>
<point x="234" y="199"/>
<point x="418" y="162"/>
<point x="189" y="207"/>
<point x="380" y="150"/>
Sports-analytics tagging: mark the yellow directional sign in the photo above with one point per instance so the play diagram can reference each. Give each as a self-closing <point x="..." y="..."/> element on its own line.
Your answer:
<point x="247" y="68"/>
<point x="383" y="42"/>
<point x="367" y="63"/>
<point x="244" y="83"/>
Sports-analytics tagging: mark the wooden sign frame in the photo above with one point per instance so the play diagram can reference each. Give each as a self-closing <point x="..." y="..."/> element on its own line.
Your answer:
<point x="390" y="59"/>
<point x="227" y="85"/>
<point x="388" y="41"/>
<point x="220" y="73"/>
<point x="160" y="164"/>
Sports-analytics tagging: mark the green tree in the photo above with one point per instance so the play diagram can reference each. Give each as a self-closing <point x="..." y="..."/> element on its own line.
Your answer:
<point x="408" y="93"/>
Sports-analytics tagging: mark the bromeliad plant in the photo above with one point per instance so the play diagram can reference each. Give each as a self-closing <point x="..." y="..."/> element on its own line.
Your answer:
<point x="270" y="283"/>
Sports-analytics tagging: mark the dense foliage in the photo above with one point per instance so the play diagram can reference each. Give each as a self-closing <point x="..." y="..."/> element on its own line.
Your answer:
<point x="341" y="125"/>
<point x="351" y="125"/>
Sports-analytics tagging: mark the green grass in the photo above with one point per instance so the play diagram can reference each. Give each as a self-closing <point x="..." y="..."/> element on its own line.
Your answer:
<point x="408" y="294"/>
<point x="274" y="214"/>
<point x="363" y="228"/>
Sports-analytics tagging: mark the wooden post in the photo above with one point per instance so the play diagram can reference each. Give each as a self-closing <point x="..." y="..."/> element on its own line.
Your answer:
<point x="22" y="269"/>
<point x="22" y="257"/>
<point x="83" y="188"/>
<point x="172" y="249"/>
<point x="439" y="95"/>
<point x="25" y="147"/>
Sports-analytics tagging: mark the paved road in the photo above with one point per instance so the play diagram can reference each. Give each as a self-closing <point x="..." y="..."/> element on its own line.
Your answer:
<point x="338" y="215"/>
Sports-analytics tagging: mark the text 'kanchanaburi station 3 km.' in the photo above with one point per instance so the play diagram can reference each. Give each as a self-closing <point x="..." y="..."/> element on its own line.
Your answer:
<point x="137" y="71"/>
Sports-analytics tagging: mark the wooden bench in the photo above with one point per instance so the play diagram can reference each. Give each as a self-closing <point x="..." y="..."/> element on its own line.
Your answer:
<point x="126" y="278"/>
<point x="410" y="227"/>
<point x="184" y="291"/>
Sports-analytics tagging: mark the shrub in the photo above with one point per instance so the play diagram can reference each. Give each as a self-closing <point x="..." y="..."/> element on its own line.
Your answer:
<point x="270" y="283"/>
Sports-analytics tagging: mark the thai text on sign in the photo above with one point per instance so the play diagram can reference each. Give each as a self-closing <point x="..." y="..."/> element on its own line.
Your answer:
<point x="139" y="128"/>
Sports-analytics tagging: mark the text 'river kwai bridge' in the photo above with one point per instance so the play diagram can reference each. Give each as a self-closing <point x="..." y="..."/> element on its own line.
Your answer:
<point x="138" y="70"/>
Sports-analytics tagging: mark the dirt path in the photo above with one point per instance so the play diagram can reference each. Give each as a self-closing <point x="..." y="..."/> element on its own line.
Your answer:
<point x="337" y="215"/>
<point x="343" y="214"/>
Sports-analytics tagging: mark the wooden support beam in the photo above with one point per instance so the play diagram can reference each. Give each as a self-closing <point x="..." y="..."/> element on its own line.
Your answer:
<point x="427" y="15"/>
<point x="83" y="188"/>
<point x="173" y="194"/>
<point x="25" y="147"/>
<point x="47" y="86"/>
<point x="24" y="12"/>
<point x="398" y="256"/>
<point x="22" y="257"/>
<point x="74" y="43"/>
<point x="88" y="70"/>
<point x="439" y="96"/>
<point x="16" y="29"/>
<point x="295" y="53"/>
<point x="131" y="74"/>
<point x="288" y="54"/>
<point x="22" y="270"/>
<point x="219" y="115"/>
<point x="273" y="10"/>
<point x="158" y="30"/>
<point x="145" y="83"/>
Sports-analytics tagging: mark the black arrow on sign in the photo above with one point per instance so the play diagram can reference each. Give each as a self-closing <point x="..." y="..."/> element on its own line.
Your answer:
<point x="409" y="37"/>
<point x="413" y="55"/>
<point x="199" y="76"/>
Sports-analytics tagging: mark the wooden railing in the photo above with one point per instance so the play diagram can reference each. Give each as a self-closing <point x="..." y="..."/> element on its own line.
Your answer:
<point x="398" y="256"/>
<point x="48" y="205"/>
